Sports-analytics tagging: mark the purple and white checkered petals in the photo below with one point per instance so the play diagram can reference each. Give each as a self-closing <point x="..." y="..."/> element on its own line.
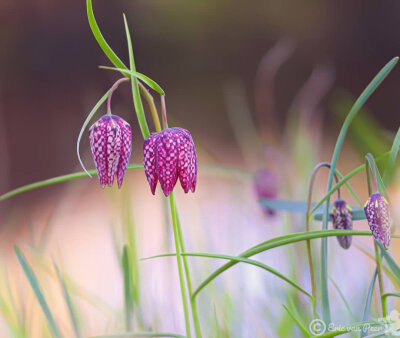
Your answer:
<point x="342" y="219"/>
<point x="110" y="142"/>
<point x="168" y="155"/>
<point x="187" y="160"/>
<point x="126" y="149"/>
<point x="377" y="212"/>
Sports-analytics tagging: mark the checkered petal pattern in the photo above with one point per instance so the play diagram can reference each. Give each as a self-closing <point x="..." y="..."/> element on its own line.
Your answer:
<point x="111" y="144"/>
<point x="377" y="212"/>
<point x="169" y="155"/>
<point x="342" y="219"/>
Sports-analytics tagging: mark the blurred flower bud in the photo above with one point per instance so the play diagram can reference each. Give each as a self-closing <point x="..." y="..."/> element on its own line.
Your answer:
<point x="266" y="187"/>
<point x="342" y="219"/>
<point x="377" y="212"/>
<point x="111" y="144"/>
<point x="168" y="155"/>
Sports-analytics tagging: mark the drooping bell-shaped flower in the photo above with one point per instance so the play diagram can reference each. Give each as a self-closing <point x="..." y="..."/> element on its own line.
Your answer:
<point x="342" y="219"/>
<point x="266" y="187"/>
<point x="377" y="212"/>
<point x="168" y="155"/>
<point x="111" y="144"/>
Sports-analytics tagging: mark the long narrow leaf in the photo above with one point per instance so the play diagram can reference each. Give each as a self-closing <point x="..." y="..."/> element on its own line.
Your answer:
<point x="239" y="259"/>
<point x="35" y="285"/>
<point x="377" y="80"/>
<point x="276" y="242"/>
<point x="345" y="179"/>
<point x="391" y="262"/>
<point x="71" y="309"/>
<point x="151" y="83"/>
<point x="297" y="321"/>
<point x="127" y="288"/>
<point x="392" y="159"/>
<point x="100" y="39"/>
<point x="55" y="180"/>
<point x="137" y="101"/>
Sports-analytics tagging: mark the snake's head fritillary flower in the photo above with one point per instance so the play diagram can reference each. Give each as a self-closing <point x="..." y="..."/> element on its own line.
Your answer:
<point x="342" y="219"/>
<point x="168" y="155"/>
<point x="377" y="212"/>
<point x="111" y="144"/>
<point x="266" y="187"/>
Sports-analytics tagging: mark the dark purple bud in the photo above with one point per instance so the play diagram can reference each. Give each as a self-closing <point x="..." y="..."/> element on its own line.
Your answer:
<point x="111" y="144"/>
<point x="342" y="219"/>
<point x="377" y="212"/>
<point x="168" y="155"/>
<point x="266" y="186"/>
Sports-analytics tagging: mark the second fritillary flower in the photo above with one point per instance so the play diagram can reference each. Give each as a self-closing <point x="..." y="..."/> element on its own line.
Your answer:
<point x="168" y="155"/>
<point x="377" y="212"/>
<point x="111" y="144"/>
<point x="342" y="219"/>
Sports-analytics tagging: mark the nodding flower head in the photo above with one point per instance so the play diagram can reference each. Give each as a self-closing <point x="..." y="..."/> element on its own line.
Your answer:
<point x="266" y="186"/>
<point x="111" y="144"/>
<point x="377" y="212"/>
<point x="168" y="155"/>
<point x="342" y="219"/>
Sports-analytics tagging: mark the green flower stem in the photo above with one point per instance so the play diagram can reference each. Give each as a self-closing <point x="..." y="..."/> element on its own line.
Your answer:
<point x="179" y="261"/>
<point x="113" y="88"/>
<point x="153" y="109"/>
<point x="371" y="166"/>
<point x="193" y="303"/>
<point x="308" y="214"/>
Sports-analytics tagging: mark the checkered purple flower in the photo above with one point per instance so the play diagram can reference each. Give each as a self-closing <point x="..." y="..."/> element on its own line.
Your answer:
<point x="168" y="155"/>
<point x="342" y="219"/>
<point x="111" y="144"/>
<point x="377" y="212"/>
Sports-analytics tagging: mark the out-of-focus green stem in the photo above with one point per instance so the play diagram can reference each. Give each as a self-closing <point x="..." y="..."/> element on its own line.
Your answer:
<point x="179" y="260"/>
<point x="193" y="303"/>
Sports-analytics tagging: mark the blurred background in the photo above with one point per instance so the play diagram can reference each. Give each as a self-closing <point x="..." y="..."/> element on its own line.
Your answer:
<point x="260" y="85"/>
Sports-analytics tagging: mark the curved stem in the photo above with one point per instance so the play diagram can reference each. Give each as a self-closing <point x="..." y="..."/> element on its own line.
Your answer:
<point x="309" y="199"/>
<point x="113" y="88"/>
<point x="164" y="112"/>
<point x="370" y="165"/>
<point x="150" y="100"/>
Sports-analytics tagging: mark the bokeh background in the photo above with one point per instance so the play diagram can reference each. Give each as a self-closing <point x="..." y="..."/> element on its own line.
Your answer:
<point x="260" y="84"/>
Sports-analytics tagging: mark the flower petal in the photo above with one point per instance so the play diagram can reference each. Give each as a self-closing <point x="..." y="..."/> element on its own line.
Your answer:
<point x="167" y="160"/>
<point x="113" y="148"/>
<point x="97" y="136"/>
<point x="125" y="151"/>
<point x="149" y="161"/>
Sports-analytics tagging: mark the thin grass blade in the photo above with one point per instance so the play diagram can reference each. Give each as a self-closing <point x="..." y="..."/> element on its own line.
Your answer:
<point x="35" y="285"/>
<point x="137" y="101"/>
<point x="387" y="174"/>
<point x="100" y="39"/>
<point x="297" y="321"/>
<point x="127" y="288"/>
<point x="71" y="308"/>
